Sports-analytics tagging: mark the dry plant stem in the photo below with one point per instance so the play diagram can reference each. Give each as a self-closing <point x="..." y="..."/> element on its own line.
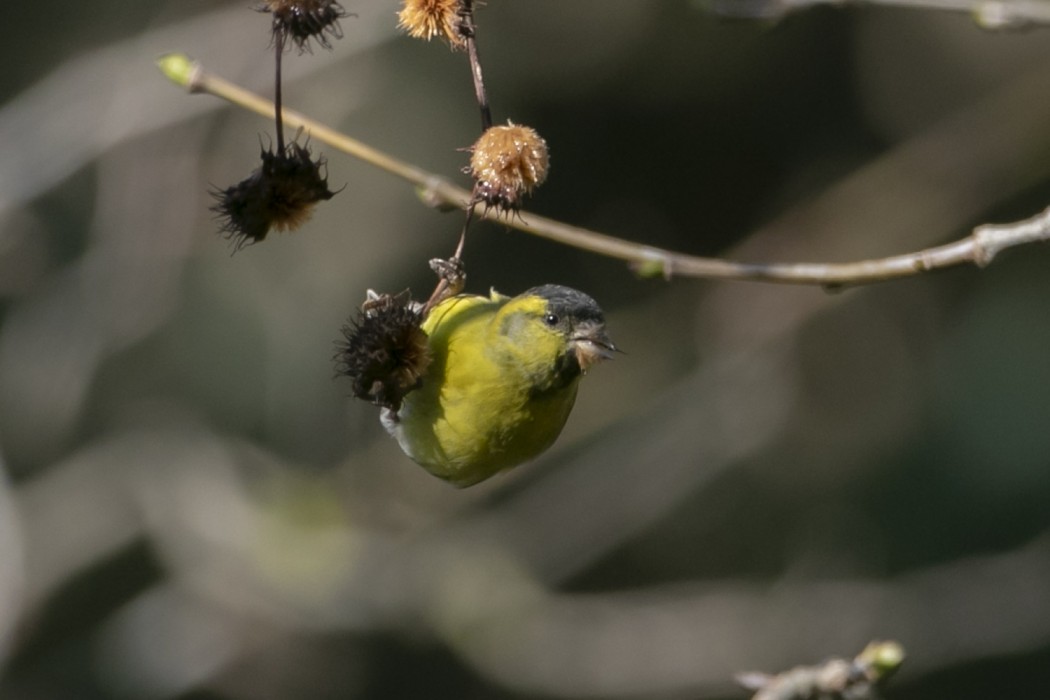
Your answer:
<point x="989" y="14"/>
<point x="468" y="30"/>
<point x="979" y="248"/>
<point x="278" y="100"/>
<point x="443" y="284"/>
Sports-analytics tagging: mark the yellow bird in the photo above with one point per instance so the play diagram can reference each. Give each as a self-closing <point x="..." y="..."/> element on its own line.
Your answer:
<point x="501" y="381"/>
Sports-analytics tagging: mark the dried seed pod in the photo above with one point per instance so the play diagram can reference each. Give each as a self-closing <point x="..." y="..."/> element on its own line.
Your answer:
<point x="426" y="19"/>
<point x="302" y="20"/>
<point x="384" y="351"/>
<point x="279" y="195"/>
<point x="507" y="163"/>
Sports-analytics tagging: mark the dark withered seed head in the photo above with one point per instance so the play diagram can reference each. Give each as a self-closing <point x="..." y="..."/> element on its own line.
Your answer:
<point x="384" y="351"/>
<point x="303" y="20"/>
<point x="280" y="195"/>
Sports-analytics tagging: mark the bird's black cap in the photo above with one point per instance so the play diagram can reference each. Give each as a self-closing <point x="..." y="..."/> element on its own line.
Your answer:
<point x="569" y="302"/>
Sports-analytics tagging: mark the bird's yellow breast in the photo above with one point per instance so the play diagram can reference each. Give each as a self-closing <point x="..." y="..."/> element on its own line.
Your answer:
<point x="491" y="398"/>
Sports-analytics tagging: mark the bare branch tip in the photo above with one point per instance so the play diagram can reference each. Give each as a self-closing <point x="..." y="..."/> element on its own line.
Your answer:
<point x="180" y="69"/>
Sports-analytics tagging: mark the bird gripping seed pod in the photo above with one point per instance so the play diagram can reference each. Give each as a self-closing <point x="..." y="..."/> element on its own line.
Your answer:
<point x="501" y="381"/>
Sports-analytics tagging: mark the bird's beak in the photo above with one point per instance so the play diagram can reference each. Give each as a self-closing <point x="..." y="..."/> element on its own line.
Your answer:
<point x="591" y="345"/>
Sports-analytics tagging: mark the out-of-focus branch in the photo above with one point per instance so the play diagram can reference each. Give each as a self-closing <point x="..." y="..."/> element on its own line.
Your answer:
<point x="687" y="639"/>
<point x="988" y="14"/>
<point x="979" y="248"/>
<point x="479" y="599"/>
<point x="684" y="640"/>
<point x="852" y="679"/>
<point x="11" y="564"/>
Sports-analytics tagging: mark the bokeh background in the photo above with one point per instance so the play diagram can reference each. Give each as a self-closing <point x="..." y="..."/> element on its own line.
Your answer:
<point x="192" y="507"/>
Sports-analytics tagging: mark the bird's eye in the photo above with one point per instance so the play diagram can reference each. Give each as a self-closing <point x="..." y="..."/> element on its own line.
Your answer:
<point x="551" y="319"/>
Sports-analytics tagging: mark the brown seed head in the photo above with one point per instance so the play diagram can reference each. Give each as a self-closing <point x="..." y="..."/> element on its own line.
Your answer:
<point x="426" y="19"/>
<point x="508" y="162"/>
<point x="279" y="195"/>
<point x="302" y="20"/>
<point x="384" y="351"/>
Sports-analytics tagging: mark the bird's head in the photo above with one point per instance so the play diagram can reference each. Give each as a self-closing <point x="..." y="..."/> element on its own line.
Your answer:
<point x="558" y="328"/>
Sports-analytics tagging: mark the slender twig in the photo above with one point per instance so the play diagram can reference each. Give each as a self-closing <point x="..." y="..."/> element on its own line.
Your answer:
<point x="471" y="208"/>
<point x="278" y="100"/>
<point x="979" y="248"/>
<point x="451" y="274"/>
<point x="468" y="30"/>
<point x="988" y="14"/>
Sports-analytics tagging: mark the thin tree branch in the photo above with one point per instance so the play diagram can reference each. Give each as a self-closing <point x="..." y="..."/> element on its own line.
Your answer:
<point x="468" y="30"/>
<point x="278" y="99"/>
<point x="988" y="14"/>
<point x="979" y="248"/>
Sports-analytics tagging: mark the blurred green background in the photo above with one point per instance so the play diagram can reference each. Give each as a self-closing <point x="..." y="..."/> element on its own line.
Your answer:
<point x="192" y="507"/>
